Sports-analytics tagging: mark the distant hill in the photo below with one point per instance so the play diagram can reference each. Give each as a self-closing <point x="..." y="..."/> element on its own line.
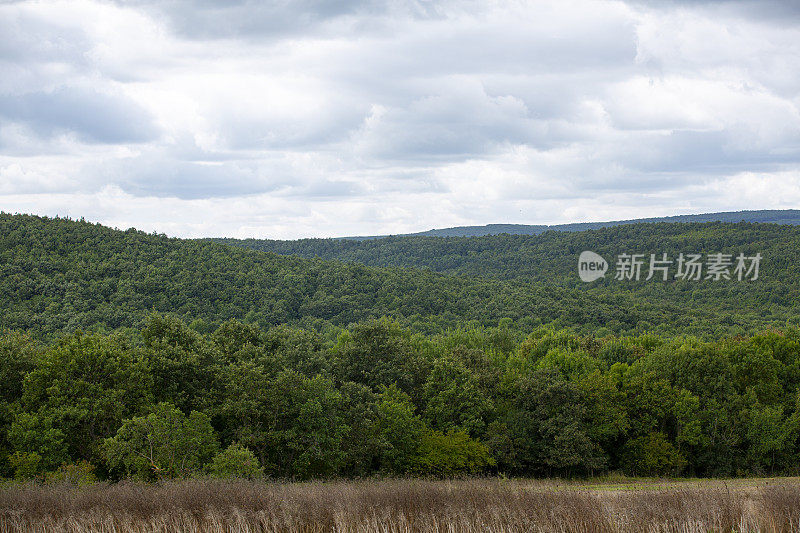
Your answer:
<point x="776" y="216"/>
<point x="550" y="260"/>
<point x="60" y="275"/>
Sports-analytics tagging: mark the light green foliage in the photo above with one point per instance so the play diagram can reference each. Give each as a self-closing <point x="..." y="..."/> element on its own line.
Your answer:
<point x="26" y="465"/>
<point x="573" y="364"/>
<point x="451" y="454"/>
<point x="80" y="391"/>
<point x="605" y="408"/>
<point x="40" y="445"/>
<point x="81" y="473"/>
<point x="453" y="399"/>
<point x="652" y="455"/>
<point x="400" y="430"/>
<point x="164" y="444"/>
<point x="236" y="461"/>
<point x="768" y="432"/>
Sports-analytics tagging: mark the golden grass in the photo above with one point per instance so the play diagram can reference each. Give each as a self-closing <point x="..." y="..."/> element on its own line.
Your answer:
<point x="400" y="506"/>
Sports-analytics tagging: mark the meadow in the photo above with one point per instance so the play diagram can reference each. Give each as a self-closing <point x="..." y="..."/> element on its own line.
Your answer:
<point x="764" y="505"/>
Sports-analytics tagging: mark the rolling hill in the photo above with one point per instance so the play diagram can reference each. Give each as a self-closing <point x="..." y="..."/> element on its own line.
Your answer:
<point x="60" y="275"/>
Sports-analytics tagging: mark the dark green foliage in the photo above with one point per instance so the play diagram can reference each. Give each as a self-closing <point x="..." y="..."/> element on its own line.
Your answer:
<point x="400" y="431"/>
<point x="545" y="429"/>
<point x="17" y="358"/>
<point x="550" y="259"/>
<point x="59" y="275"/>
<point x="78" y="393"/>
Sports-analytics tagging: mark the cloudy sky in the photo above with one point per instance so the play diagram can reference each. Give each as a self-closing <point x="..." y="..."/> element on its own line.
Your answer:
<point x="290" y="119"/>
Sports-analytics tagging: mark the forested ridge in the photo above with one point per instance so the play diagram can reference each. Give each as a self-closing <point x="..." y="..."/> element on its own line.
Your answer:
<point x="772" y="216"/>
<point x="552" y="256"/>
<point x="59" y="275"/>
<point x="550" y="259"/>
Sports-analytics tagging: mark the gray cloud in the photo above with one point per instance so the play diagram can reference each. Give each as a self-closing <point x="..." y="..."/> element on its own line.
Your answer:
<point x="93" y="116"/>
<point x="221" y="19"/>
<point x="771" y="9"/>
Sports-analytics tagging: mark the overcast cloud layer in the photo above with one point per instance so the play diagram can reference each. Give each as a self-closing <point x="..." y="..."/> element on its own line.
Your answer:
<point x="321" y="118"/>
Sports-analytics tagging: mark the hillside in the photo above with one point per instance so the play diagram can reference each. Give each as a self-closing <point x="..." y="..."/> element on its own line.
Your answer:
<point x="60" y="275"/>
<point x="774" y="216"/>
<point x="551" y="258"/>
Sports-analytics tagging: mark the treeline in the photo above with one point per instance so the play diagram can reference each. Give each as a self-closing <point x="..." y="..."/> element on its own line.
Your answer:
<point x="774" y="216"/>
<point x="376" y="398"/>
<point x="60" y="275"/>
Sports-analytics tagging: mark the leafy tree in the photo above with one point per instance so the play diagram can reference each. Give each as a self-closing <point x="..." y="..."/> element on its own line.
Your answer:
<point x="379" y="353"/>
<point x="545" y="429"/>
<point x="652" y="455"/>
<point x="768" y="432"/>
<point x="184" y="365"/>
<point x="82" y="388"/>
<point x="292" y="422"/>
<point x="400" y="430"/>
<point x="362" y="444"/>
<point x="17" y="359"/>
<point x="453" y="400"/>
<point x="164" y="444"/>
<point x="39" y="443"/>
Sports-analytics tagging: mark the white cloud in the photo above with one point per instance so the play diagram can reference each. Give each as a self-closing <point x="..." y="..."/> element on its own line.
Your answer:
<point x="197" y="117"/>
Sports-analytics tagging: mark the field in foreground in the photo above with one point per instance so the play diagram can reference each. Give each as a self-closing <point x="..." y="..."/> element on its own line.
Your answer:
<point x="405" y="506"/>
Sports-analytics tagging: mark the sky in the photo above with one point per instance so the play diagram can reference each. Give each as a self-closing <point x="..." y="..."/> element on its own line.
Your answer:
<point x="313" y="118"/>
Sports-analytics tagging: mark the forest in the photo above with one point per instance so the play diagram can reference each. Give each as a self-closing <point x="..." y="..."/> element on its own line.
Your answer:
<point x="59" y="276"/>
<point x="134" y="355"/>
<point x="169" y="401"/>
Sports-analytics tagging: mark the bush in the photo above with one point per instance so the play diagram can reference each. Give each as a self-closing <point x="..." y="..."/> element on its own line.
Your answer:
<point x="236" y="461"/>
<point x="80" y="473"/>
<point x="450" y="454"/>
<point x="26" y="465"/>
<point x="652" y="455"/>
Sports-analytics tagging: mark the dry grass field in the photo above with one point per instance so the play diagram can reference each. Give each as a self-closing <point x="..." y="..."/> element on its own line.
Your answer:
<point x="768" y="505"/>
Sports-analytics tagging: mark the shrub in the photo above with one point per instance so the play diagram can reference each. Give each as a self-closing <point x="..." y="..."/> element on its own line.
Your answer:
<point x="450" y="454"/>
<point x="26" y="465"/>
<point x="652" y="455"/>
<point x="236" y="461"/>
<point x="80" y="473"/>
